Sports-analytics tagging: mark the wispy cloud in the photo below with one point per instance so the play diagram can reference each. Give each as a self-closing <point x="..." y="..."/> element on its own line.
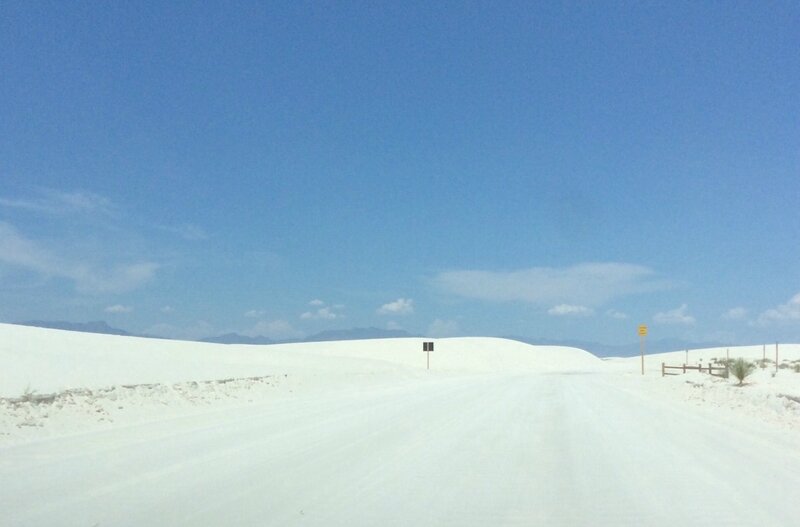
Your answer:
<point x="588" y="284"/>
<point x="736" y="313"/>
<point x="401" y="306"/>
<point x="788" y="312"/>
<point x="18" y="251"/>
<point x="57" y="202"/>
<point x="167" y="309"/>
<point x="613" y="313"/>
<point x="567" y="310"/>
<point x="678" y="315"/>
<point x="118" y="308"/>
<point x="323" y="312"/>
<point x="255" y="313"/>
<point x="118" y="279"/>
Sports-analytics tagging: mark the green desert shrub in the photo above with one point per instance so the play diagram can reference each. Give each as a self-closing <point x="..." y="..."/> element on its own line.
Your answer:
<point x="741" y="369"/>
<point x="726" y="362"/>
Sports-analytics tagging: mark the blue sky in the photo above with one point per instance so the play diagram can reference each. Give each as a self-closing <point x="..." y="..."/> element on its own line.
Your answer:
<point x="557" y="171"/>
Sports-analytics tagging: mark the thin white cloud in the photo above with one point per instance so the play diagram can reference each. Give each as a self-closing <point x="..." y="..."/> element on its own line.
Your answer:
<point x="788" y="312"/>
<point x="679" y="315"/>
<point x="443" y="328"/>
<point x="393" y="325"/>
<point x="736" y="313"/>
<point x="588" y="284"/>
<point x="255" y="313"/>
<point x="567" y="310"/>
<point x="323" y="313"/>
<point x="118" y="308"/>
<point x="19" y="251"/>
<point x="167" y="309"/>
<point x="118" y="279"/>
<point x="58" y="202"/>
<point x="401" y="306"/>
<point x="613" y="313"/>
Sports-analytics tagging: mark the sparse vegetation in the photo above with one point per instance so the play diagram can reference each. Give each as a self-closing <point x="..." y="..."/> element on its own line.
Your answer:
<point x="28" y="395"/>
<point x="725" y="362"/>
<point x="741" y="369"/>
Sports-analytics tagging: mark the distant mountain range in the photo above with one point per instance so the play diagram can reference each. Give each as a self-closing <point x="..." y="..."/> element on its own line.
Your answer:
<point x="601" y="350"/>
<point x="323" y="336"/>
<point x="623" y="350"/>
<point x="359" y="334"/>
<point x="228" y="338"/>
<point x="97" y="326"/>
<point x="235" y="338"/>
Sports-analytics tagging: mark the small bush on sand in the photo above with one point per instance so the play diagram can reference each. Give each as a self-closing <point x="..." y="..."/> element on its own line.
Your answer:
<point x="741" y="369"/>
<point x="726" y="362"/>
<point x="28" y="394"/>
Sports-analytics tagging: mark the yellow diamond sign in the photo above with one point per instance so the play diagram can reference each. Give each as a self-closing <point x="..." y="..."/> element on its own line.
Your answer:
<point x="642" y="330"/>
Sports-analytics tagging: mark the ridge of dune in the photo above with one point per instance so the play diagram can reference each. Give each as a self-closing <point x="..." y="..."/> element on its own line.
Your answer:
<point x="48" y="360"/>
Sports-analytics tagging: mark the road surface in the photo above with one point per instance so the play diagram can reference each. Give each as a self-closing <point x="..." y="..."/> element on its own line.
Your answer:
<point x="534" y="450"/>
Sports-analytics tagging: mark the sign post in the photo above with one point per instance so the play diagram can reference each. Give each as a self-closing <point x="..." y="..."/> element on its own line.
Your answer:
<point x="776" y="357"/>
<point x="427" y="347"/>
<point x="642" y="335"/>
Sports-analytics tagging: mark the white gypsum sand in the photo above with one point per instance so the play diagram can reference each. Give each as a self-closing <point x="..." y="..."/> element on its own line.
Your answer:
<point x="129" y="431"/>
<point x="769" y="395"/>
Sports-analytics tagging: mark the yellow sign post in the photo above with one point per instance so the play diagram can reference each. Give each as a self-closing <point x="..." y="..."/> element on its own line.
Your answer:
<point x="642" y="335"/>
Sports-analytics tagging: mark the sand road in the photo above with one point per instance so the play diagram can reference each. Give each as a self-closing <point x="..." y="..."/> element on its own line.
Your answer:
<point x="537" y="449"/>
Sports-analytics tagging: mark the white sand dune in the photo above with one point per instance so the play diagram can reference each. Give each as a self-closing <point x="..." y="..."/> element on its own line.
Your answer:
<point x="359" y="433"/>
<point x="49" y="360"/>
